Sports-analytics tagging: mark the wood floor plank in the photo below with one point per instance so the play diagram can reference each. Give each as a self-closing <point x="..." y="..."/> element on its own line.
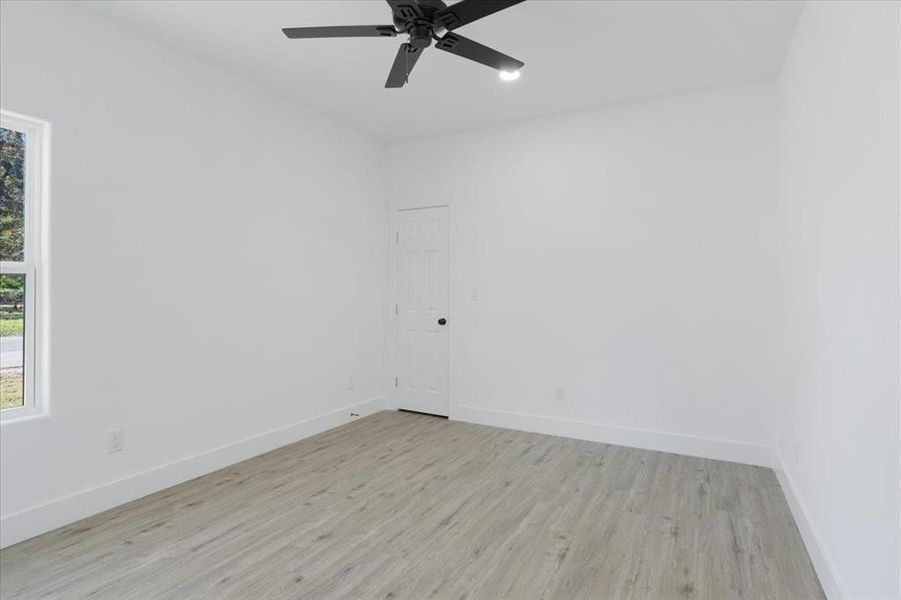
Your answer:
<point x="405" y="506"/>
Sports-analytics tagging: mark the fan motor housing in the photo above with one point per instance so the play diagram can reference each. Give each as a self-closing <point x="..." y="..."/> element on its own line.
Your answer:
<point x="420" y="36"/>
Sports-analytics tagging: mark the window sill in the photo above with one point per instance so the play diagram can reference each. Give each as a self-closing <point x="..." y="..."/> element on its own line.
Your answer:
<point x="8" y="416"/>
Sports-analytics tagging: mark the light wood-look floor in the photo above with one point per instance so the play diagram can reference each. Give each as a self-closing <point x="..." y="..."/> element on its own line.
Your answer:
<point x="399" y="505"/>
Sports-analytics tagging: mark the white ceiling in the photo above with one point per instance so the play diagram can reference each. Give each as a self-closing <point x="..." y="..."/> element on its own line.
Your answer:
<point x="578" y="54"/>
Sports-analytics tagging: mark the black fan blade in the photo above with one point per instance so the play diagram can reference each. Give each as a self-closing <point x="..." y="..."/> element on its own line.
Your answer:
<point x="467" y="11"/>
<point x="405" y="9"/>
<point x="465" y="47"/>
<point x="406" y="57"/>
<point x="340" y="31"/>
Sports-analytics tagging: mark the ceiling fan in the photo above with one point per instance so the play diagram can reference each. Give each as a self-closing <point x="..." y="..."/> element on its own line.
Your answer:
<point x="424" y="21"/>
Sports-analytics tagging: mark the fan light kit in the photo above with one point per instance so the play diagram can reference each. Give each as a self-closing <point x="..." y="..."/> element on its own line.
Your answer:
<point x="424" y="21"/>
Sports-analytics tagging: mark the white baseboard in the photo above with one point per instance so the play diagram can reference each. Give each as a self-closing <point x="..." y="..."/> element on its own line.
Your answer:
<point x="832" y="584"/>
<point x="727" y="450"/>
<point x="64" y="511"/>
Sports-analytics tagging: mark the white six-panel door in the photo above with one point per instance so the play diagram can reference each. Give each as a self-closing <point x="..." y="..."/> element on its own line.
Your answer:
<point x="422" y="300"/>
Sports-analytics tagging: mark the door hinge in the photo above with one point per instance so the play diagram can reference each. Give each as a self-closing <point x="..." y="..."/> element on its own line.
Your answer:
<point x="397" y="236"/>
<point x="395" y="382"/>
<point x="395" y="309"/>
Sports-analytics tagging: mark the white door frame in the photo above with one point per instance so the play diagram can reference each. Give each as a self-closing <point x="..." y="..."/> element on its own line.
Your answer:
<point x="394" y="299"/>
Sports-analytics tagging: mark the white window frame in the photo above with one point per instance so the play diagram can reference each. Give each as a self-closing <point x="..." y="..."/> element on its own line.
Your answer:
<point x="37" y="145"/>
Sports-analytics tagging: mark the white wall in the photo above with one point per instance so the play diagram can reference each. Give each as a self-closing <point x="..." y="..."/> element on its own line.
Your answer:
<point x="218" y="265"/>
<point x="628" y="254"/>
<point x="839" y="437"/>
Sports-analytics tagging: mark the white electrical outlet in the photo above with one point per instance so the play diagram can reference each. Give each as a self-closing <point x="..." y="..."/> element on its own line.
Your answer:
<point x="115" y="442"/>
<point x="560" y="393"/>
<point x="350" y="383"/>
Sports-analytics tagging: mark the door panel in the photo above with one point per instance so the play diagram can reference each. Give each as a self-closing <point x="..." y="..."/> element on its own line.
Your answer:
<point x="422" y="299"/>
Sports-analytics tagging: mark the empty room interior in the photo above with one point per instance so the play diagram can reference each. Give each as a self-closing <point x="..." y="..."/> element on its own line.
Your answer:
<point x="450" y="299"/>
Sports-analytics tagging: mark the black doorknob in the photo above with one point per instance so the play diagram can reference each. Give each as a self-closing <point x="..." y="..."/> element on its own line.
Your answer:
<point x="442" y="321"/>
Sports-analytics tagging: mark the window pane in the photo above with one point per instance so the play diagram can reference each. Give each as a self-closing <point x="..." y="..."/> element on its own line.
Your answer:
<point x="12" y="341"/>
<point x="12" y="195"/>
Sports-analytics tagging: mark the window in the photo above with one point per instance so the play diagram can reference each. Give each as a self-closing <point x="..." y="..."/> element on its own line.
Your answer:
<point x="23" y="146"/>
